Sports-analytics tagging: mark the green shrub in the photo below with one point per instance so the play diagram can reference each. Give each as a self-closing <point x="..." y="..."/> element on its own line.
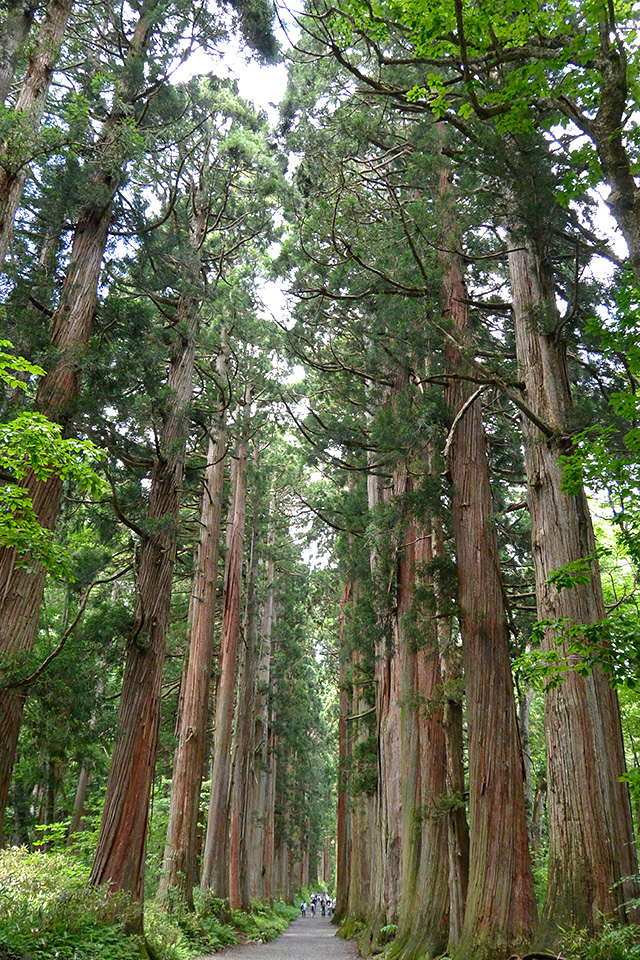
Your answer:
<point x="614" y="943"/>
<point x="47" y="910"/>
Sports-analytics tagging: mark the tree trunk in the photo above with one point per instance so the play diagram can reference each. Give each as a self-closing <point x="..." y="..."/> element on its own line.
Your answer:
<point x="389" y="721"/>
<point x="501" y="909"/>
<point x="22" y="588"/>
<point x="457" y="827"/>
<point x="85" y="771"/>
<point x="591" y="842"/>
<point x="452" y="724"/>
<point x="428" y="923"/>
<point x="361" y="807"/>
<point x="406" y="653"/>
<point x="181" y="847"/>
<point x="215" y="871"/>
<point x="261" y="727"/>
<point x="239" y="879"/>
<point x="343" y="817"/>
<point x="606" y="131"/>
<point x="537" y="815"/>
<point x="524" y="725"/>
<point x="120" y="852"/>
<point x="15" y="153"/>
<point x="387" y="798"/>
<point x="268" y="856"/>
<point x="21" y="595"/>
<point x="15" y="30"/>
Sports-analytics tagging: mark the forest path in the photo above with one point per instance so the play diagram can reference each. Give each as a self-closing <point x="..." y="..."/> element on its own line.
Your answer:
<point x="313" y="938"/>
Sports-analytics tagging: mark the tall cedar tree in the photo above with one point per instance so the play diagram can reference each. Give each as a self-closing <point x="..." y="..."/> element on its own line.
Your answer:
<point x="71" y="325"/>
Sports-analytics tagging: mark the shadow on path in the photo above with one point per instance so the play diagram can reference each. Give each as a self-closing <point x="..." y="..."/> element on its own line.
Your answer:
<point x="313" y="938"/>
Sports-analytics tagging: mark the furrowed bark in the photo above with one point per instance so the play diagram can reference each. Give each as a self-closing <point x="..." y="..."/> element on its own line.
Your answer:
<point x="406" y="652"/>
<point x="29" y="107"/>
<point x="501" y="909"/>
<point x="457" y="827"/>
<point x="268" y="855"/>
<point x="261" y="724"/>
<point x="379" y="913"/>
<point x="239" y="879"/>
<point x="181" y="847"/>
<point x="361" y="809"/>
<point x="388" y="714"/>
<point x="22" y="589"/>
<point x="452" y="725"/>
<point x="428" y="920"/>
<point x="14" y="31"/>
<point x="120" y="852"/>
<point x="215" y="872"/>
<point x="343" y="817"/>
<point x="591" y="843"/>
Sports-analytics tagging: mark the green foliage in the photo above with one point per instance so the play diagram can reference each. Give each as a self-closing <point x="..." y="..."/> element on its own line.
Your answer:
<point x="32" y="444"/>
<point x="612" y="644"/>
<point x="613" y="943"/>
<point x="10" y="365"/>
<point x="576" y="573"/>
<point x="387" y="933"/>
<point x="48" y="911"/>
<point x="183" y="934"/>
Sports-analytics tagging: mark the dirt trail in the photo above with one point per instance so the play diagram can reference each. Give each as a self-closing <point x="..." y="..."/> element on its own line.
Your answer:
<point x="313" y="938"/>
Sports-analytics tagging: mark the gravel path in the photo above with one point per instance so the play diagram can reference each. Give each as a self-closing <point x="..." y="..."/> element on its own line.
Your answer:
<point x="313" y="938"/>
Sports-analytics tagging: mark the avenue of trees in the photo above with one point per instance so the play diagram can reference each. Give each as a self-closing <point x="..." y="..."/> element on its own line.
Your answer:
<point x="344" y="595"/>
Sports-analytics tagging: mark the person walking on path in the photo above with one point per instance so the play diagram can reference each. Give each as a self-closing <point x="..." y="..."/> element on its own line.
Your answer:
<point x="301" y="941"/>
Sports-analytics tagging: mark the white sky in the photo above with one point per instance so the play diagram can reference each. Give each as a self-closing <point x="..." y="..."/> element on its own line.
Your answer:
<point x="263" y="85"/>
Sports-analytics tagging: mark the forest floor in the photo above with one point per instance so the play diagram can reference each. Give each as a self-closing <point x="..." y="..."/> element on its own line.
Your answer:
<point x="313" y="938"/>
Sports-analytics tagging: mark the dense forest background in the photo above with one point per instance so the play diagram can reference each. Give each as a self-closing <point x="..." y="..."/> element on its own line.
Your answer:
<point x="342" y="592"/>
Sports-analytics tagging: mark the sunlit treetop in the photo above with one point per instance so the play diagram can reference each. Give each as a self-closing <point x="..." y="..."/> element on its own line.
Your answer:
<point x="511" y="59"/>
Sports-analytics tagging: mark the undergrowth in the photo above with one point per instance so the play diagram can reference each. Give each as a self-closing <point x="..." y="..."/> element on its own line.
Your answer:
<point x="48" y="912"/>
<point x="613" y="943"/>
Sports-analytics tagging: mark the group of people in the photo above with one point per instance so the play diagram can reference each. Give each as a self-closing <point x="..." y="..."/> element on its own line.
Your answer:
<point x="318" y="901"/>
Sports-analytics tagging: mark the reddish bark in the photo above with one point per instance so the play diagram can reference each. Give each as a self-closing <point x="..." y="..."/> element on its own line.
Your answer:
<point x="28" y="109"/>
<point x="591" y="841"/>
<point x="182" y="848"/>
<point x="501" y="909"/>
<point x="120" y="852"/>
<point x="361" y="810"/>
<point x="22" y="589"/>
<point x="268" y="856"/>
<point x="408" y="760"/>
<point x="389" y="722"/>
<point x="378" y="913"/>
<point x="261" y="727"/>
<point x="428" y="922"/>
<point x="215" y="872"/>
<point x="343" y="825"/>
<point x="239" y="880"/>
<point x="457" y="827"/>
<point x="21" y="592"/>
<point x="452" y="725"/>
